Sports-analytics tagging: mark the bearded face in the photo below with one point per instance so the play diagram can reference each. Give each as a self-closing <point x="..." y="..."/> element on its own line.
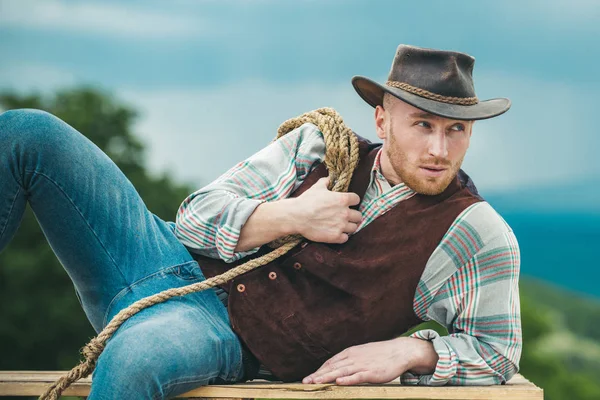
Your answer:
<point x="421" y="149"/>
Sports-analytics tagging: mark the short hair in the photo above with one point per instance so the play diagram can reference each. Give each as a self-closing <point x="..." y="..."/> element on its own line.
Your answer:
<point x="388" y="100"/>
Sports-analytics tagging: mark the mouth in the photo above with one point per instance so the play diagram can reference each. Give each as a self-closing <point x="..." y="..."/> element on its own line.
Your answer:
<point x="433" y="170"/>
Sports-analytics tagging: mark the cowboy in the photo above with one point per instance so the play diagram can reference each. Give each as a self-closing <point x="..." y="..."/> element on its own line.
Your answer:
<point x="411" y="241"/>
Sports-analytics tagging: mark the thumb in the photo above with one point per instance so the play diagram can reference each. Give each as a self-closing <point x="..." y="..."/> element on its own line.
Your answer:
<point x="323" y="182"/>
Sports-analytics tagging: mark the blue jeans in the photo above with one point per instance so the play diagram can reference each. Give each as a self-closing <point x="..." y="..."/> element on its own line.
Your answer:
<point x="116" y="252"/>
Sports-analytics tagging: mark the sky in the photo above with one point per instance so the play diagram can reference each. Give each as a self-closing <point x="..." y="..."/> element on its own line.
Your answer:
<point x="224" y="74"/>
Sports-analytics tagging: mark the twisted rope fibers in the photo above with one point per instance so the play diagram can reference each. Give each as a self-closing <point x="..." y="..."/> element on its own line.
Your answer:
<point x="341" y="159"/>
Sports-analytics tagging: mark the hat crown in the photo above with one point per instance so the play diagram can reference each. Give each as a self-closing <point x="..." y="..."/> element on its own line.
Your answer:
<point x="446" y="73"/>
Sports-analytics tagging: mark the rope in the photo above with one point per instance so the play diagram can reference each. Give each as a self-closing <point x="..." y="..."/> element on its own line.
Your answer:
<point x="464" y="101"/>
<point x="341" y="158"/>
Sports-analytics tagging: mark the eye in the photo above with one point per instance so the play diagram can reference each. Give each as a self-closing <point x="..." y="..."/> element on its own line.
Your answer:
<point x="458" y="127"/>
<point x="424" y="124"/>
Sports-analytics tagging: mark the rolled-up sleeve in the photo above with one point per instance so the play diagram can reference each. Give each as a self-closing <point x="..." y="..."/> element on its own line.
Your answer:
<point x="210" y="220"/>
<point x="480" y="307"/>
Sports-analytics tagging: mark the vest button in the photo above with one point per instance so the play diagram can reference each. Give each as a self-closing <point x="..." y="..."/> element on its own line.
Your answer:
<point x="297" y="265"/>
<point x="272" y="276"/>
<point x="241" y="288"/>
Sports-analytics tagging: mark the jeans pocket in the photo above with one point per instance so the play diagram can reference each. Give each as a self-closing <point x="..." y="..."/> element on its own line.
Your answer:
<point x="189" y="271"/>
<point x="166" y="278"/>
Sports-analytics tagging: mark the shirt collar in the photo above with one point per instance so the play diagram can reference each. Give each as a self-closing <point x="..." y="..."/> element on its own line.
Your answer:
<point x="379" y="179"/>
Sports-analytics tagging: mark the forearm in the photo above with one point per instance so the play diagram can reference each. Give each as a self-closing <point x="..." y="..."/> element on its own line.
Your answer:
<point x="269" y="221"/>
<point x="463" y="360"/>
<point x="422" y="358"/>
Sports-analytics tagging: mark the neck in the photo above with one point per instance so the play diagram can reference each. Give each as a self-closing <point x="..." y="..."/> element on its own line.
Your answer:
<point x="387" y="170"/>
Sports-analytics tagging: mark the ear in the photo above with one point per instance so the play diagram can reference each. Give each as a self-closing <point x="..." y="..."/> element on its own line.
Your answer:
<point x="380" y="121"/>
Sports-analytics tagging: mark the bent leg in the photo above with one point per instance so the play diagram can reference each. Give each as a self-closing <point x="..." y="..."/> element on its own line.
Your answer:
<point x="169" y="349"/>
<point x="94" y="220"/>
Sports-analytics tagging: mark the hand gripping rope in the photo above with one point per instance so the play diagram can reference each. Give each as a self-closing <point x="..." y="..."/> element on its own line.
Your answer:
<point x="341" y="158"/>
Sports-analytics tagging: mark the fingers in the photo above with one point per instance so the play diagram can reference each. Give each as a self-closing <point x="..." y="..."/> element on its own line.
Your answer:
<point x="329" y="373"/>
<point x="350" y="227"/>
<point x="323" y="182"/>
<point x="342" y="355"/>
<point x="355" y="216"/>
<point x="336" y="374"/>
<point x="355" y="379"/>
<point x="352" y="199"/>
<point x="343" y="238"/>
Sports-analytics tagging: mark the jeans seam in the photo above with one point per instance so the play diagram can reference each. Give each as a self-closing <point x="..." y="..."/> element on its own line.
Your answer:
<point x="129" y="288"/>
<point x="83" y="218"/>
<point x="168" y="386"/>
<point x="239" y="366"/>
<point x="10" y="210"/>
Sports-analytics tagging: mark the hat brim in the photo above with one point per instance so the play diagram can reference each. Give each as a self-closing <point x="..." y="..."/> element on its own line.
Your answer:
<point x="372" y="92"/>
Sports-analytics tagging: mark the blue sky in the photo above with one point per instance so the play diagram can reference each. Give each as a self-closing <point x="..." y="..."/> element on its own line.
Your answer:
<point x="225" y="73"/>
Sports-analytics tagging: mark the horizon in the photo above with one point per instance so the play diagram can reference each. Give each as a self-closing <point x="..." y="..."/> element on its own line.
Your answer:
<point x="212" y="81"/>
<point x="210" y="73"/>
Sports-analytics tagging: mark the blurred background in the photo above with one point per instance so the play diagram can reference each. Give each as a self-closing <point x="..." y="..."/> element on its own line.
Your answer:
<point x="158" y="85"/>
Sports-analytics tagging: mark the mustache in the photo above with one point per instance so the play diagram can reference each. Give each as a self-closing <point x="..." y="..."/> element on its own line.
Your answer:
<point x="438" y="162"/>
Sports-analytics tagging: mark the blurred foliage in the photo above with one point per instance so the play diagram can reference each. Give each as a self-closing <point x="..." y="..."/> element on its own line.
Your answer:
<point x="43" y="327"/>
<point x="561" y="341"/>
<point x="561" y="345"/>
<point x="42" y="324"/>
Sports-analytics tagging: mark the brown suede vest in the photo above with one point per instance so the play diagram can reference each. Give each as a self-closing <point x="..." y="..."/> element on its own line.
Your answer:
<point x="318" y="299"/>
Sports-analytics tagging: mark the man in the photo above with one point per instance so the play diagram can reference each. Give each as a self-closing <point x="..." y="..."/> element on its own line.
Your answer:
<point x="411" y="241"/>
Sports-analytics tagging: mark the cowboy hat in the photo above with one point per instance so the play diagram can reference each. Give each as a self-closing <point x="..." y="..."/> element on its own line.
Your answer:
<point x="437" y="81"/>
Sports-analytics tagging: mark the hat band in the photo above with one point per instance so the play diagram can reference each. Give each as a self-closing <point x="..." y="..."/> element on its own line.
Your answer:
<point x="464" y="101"/>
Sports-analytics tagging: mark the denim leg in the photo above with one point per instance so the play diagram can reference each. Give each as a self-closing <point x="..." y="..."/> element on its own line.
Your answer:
<point x="93" y="218"/>
<point x="169" y="348"/>
<point x="116" y="252"/>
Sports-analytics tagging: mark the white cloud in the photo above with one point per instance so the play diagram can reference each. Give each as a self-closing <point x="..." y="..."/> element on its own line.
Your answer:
<point x="543" y="139"/>
<point x="25" y="76"/>
<point x="198" y="134"/>
<point x="549" y="16"/>
<point x="577" y="11"/>
<point x="98" y="18"/>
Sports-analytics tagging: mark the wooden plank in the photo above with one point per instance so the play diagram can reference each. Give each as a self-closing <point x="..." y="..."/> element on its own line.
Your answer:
<point x="34" y="383"/>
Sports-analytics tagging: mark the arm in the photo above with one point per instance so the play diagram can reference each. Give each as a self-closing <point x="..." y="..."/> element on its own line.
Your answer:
<point x="248" y="206"/>
<point x="270" y="220"/>
<point x="377" y="362"/>
<point x="317" y="214"/>
<point x="479" y="305"/>
<point x="210" y="220"/>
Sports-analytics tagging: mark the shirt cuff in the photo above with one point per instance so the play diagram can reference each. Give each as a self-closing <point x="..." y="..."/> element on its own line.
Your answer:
<point x="445" y="368"/>
<point x="228" y="235"/>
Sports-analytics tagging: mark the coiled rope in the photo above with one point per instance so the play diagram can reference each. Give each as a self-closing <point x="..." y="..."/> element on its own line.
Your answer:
<point x="341" y="158"/>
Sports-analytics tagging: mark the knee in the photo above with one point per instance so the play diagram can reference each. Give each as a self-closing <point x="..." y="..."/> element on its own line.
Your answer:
<point x="24" y="117"/>
<point x="137" y="365"/>
<point x="125" y="371"/>
<point x="146" y="362"/>
<point x="30" y="125"/>
<point x="36" y="136"/>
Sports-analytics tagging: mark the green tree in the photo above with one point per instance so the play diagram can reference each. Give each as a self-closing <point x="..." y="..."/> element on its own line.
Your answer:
<point x="42" y="324"/>
<point x="43" y="327"/>
<point x="542" y="364"/>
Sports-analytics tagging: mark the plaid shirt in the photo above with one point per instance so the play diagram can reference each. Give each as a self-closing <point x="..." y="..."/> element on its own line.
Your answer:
<point x="469" y="285"/>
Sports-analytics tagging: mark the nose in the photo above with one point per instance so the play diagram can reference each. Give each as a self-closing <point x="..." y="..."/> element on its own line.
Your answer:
<point x="437" y="145"/>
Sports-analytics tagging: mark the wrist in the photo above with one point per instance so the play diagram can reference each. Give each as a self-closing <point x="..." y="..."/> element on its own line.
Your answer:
<point x="293" y="220"/>
<point x="422" y="357"/>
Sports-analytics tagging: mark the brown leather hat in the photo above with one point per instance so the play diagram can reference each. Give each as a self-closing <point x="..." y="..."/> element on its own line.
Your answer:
<point x="436" y="81"/>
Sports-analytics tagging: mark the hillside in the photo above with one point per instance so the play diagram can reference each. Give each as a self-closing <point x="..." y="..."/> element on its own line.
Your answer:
<point x="561" y="332"/>
<point x="561" y="340"/>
